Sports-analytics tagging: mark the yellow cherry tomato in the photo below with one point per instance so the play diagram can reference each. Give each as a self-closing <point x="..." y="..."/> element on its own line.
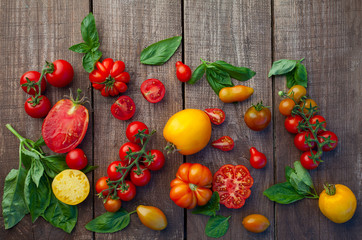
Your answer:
<point x="188" y="130"/>
<point x="337" y="203"/>
<point x="71" y="186"/>
<point x="152" y="217"/>
<point x="309" y="103"/>
<point x="297" y="92"/>
<point x="235" y="94"/>
<point x="256" y="223"/>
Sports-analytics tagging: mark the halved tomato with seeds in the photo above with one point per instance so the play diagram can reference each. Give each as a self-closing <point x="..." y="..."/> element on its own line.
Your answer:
<point x="233" y="184"/>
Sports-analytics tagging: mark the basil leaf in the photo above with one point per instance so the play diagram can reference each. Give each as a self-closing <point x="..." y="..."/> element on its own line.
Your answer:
<point x="89" y="30"/>
<point x="13" y="204"/>
<point x="24" y="158"/>
<point x="80" y="48"/>
<point x="281" y="67"/>
<point x="37" y="199"/>
<point x="290" y="79"/>
<point x="197" y="74"/>
<point x="54" y="164"/>
<point x="40" y="142"/>
<point x="160" y="52"/>
<point x="300" y="75"/>
<point x="299" y="186"/>
<point x="36" y="171"/>
<point x="109" y="222"/>
<point x="61" y="215"/>
<point x="90" y="59"/>
<point x="95" y="46"/>
<point x="303" y="174"/>
<point x="239" y="73"/>
<point x="217" y="78"/>
<point x="211" y="207"/>
<point x="217" y="226"/>
<point x="288" y="171"/>
<point x="282" y="193"/>
<point x="89" y="168"/>
<point x="29" y="153"/>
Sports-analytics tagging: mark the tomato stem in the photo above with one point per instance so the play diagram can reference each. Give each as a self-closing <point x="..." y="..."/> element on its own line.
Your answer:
<point x="132" y="212"/>
<point x="330" y="189"/>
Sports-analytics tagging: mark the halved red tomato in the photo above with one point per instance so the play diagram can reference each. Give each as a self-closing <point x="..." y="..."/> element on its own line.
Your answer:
<point x="233" y="184"/>
<point x="65" y="125"/>
<point x="153" y="90"/>
<point x="124" y="108"/>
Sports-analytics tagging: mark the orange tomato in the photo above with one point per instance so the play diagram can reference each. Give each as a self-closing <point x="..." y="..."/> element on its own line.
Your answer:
<point x="152" y="217"/>
<point x="309" y="103"/>
<point x="297" y="92"/>
<point x="235" y="94"/>
<point x="286" y="106"/>
<point x="256" y="223"/>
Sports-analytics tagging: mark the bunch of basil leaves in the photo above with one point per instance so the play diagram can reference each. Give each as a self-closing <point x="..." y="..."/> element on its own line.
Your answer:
<point x="294" y="70"/>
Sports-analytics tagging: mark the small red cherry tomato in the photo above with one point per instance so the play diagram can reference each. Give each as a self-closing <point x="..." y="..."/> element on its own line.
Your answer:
<point x="216" y="115"/>
<point x="257" y="159"/>
<point x="153" y="90"/>
<point x="300" y="141"/>
<point x="28" y="81"/>
<point x="112" y="205"/>
<point x="307" y="162"/>
<point x="128" y="193"/>
<point x="37" y="108"/>
<point x="60" y="73"/>
<point x="291" y="123"/>
<point x="128" y="147"/>
<point x="142" y="178"/>
<point x="183" y="72"/>
<point x="76" y="159"/>
<point x="319" y="118"/>
<point x="224" y="143"/>
<point x="133" y="128"/>
<point x="112" y="171"/>
<point x="102" y="185"/>
<point x="332" y="136"/>
<point x="157" y="162"/>
<point x="124" y="108"/>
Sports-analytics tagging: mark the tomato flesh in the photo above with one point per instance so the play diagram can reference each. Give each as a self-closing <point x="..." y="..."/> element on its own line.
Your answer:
<point x="153" y="90"/>
<point x="216" y="115"/>
<point x="124" y="108"/>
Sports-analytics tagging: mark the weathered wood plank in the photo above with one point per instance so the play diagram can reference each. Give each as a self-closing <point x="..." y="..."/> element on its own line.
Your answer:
<point x="125" y="28"/>
<point x="32" y="32"/>
<point x="238" y="32"/>
<point x="328" y="35"/>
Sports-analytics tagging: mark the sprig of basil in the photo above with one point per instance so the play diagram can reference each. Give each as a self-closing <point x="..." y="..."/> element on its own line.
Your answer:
<point x="211" y="207"/>
<point x="217" y="78"/>
<point x="89" y="168"/>
<point x="294" y="70"/>
<point x="54" y="164"/>
<point x="197" y="74"/>
<point x="217" y="226"/>
<point x="238" y="73"/>
<point x="109" y="222"/>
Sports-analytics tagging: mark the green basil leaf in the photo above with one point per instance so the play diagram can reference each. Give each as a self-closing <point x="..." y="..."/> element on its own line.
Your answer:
<point x="211" y="207"/>
<point x="89" y="168"/>
<point x="24" y="158"/>
<point x="36" y="171"/>
<point x="109" y="222"/>
<point x="282" y="193"/>
<point x="40" y="142"/>
<point x="13" y="204"/>
<point x="80" y="48"/>
<point x="282" y="67"/>
<point x="299" y="186"/>
<point x="160" y="52"/>
<point x="54" y="164"/>
<point x="290" y="79"/>
<point x="89" y="30"/>
<point x="238" y="73"/>
<point x="61" y="215"/>
<point x="90" y="59"/>
<point x="37" y="199"/>
<point x="95" y="46"/>
<point x="288" y="171"/>
<point x="217" y="78"/>
<point x="217" y="226"/>
<point x="300" y="75"/>
<point x="303" y="174"/>
<point x="197" y="74"/>
<point x="30" y="153"/>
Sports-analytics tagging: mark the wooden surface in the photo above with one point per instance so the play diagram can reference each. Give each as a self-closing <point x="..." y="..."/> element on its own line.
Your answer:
<point x="244" y="33"/>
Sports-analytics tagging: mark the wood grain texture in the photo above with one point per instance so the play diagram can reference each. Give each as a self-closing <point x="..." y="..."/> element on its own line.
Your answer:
<point x="238" y="32"/>
<point x="125" y="28"/>
<point x="328" y="35"/>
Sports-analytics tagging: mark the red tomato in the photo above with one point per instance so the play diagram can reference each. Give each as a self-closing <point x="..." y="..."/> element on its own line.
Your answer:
<point x="65" y="125"/>
<point x="153" y="90"/>
<point x="233" y="184"/>
<point x="257" y="159"/>
<point x="40" y="109"/>
<point x="142" y="178"/>
<point x="28" y="80"/>
<point x="112" y="205"/>
<point x="124" y="108"/>
<point x="128" y="146"/>
<point x="128" y="193"/>
<point x="224" y="143"/>
<point x="308" y="163"/>
<point x="300" y="143"/>
<point x="133" y="128"/>
<point x="216" y="115"/>
<point x="157" y="162"/>
<point x="59" y="73"/>
<point x="76" y="159"/>
<point x="332" y="136"/>
<point x="102" y="185"/>
<point x="113" y="172"/>
<point x="319" y="118"/>
<point x="291" y="123"/>
<point x="183" y="72"/>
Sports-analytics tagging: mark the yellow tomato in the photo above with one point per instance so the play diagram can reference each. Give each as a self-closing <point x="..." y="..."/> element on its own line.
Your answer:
<point x="189" y="130"/>
<point x="337" y="203"/>
<point x="152" y="217"/>
<point x="309" y="103"/>
<point x="235" y="94"/>
<point x="71" y="186"/>
<point x="297" y="92"/>
<point x="256" y="223"/>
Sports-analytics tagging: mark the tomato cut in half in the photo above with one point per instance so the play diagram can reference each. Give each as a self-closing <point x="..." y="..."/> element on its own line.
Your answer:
<point x="124" y="108"/>
<point x="233" y="184"/>
<point x="216" y="115"/>
<point x="153" y="90"/>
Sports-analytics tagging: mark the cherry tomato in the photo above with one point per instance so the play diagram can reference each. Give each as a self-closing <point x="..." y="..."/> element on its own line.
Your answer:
<point x="233" y="184"/>
<point x="40" y="109"/>
<point x="332" y="136"/>
<point x="140" y="179"/>
<point x="76" y="159"/>
<point x="286" y="106"/>
<point x="133" y="128"/>
<point x="124" y="108"/>
<point x="102" y="185"/>
<point x="183" y="72"/>
<point x="224" y="143"/>
<point x="128" y="193"/>
<point x="152" y="217"/>
<point x="235" y="94"/>
<point x="158" y="160"/>
<point x="297" y="92"/>
<point x="128" y="146"/>
<point x="60" y="73"/>
<point x="256" y="223"/>
<point x="308" y="104"/>
<point x="153" y="90"/>
<point x="112" y="172"/>
<point x="307" y="162"/>
<point x="28" y="80"/>
<point x="319" y="118"/>
<point x="257" y="117"/>
<point x="112" y="205"/>
<point x="257" y="159"/>
<point x="300" y="141"/>
<point x="291" y="123"/>
<point x="216" y="115"/>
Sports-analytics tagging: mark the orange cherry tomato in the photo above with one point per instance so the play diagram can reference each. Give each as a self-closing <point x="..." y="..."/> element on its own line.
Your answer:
<point x="152" y="217"/>
<point x="256" y="223"/>
<point x="112" y="205"/>
<point x="286" y="106"/>
<point x="297" y="92"/>
<point x="309" y="103"/>
<point x="235" y="94"/>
